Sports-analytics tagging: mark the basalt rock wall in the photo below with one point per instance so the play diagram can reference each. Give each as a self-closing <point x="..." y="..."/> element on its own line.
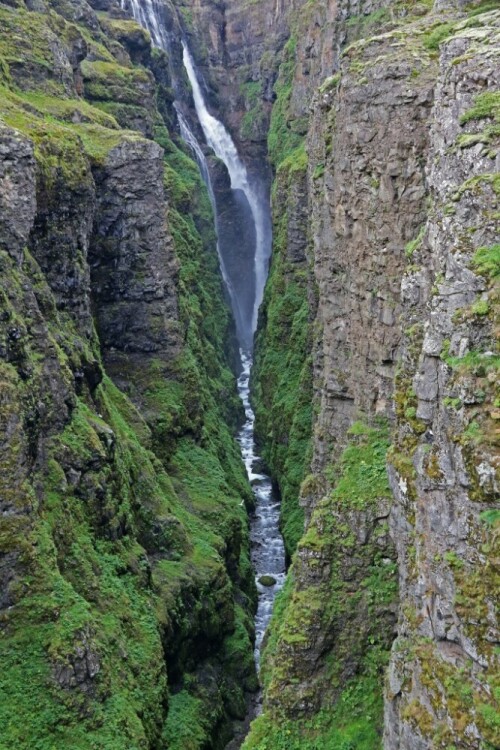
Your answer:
<point x="394" y="577"/>
<point x="126" y="588"/>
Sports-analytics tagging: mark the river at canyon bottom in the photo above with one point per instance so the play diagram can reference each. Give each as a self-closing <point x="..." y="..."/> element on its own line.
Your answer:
<point x="267" y="547"/>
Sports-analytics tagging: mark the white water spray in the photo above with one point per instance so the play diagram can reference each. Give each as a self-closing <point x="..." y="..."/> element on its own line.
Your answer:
<point x="189" y="137"/>
<point x="221" y="142"/>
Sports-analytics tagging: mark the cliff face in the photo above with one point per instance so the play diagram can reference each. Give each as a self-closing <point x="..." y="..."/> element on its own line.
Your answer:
<point x="126" y="589"/>
<point x="399" y="176"/>
<point x="444" y="466"/>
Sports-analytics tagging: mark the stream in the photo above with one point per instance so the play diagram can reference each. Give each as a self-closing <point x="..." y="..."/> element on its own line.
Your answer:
<point x="267" y="547"/>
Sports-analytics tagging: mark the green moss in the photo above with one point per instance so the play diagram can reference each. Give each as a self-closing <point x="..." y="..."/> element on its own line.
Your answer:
<point x="481" y="307"/>
<point x="285" y="132"/>
<point x="486" y="105"/>
<point x="478" y="363"/>
<point x="282" y="383"/>
<point x="415" y="244"/>
<point x="188" y="724"/>
<point x="125" y="30"/>
<point x="476" y="8"/>
<point x="67" y="110"/>
<point x="437" y="34"/>
<point x="491" y="517"/>
<point x="255" y="119"/>
<point x="110" y="81"/>
<point x="83" y="592"/>
<point x="330" y="83"/>
<point x="362" y="466"/>
<point x="476" y="185"/>
<point x="465" y="698"/>
<point x="282" y="373"/>
<point x="58" y="141"/>
<point x="486" y="261"/>
<point x="346" y="726"/>
<point x="30" y="49"/>
<point x="281" y="604"/>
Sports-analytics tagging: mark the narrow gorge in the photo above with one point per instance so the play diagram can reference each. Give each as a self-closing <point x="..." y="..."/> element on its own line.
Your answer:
<point x="249" y="357"/>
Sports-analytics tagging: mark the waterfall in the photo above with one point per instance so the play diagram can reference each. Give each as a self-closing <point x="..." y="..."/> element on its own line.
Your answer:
<point x="268" y="552"/>
<point x="148" y="14"/>
<point x="222" y="144"/>
<point x="189" y="137"/>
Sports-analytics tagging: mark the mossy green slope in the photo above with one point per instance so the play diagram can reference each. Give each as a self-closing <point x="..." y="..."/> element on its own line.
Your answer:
<point x="330" y="637"/>
<point x="282" y="374"/>
<point x="127" y="530"/>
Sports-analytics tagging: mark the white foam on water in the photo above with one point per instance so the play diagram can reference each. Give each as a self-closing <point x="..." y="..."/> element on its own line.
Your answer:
<point x="268" y="549"/>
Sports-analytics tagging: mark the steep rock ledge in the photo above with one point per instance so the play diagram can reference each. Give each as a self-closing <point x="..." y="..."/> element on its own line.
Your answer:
<point x="126" y="584"/>
<point x="402" y="218"/>
<point x="444" y="468"/>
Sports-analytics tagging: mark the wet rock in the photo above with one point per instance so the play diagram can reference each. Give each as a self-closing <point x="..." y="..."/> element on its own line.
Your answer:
<point x="267" y="581"/>
<point x="17" y="191"/>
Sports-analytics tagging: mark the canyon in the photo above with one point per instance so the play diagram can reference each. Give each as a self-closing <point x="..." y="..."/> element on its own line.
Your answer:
<point x="193" y="421"/>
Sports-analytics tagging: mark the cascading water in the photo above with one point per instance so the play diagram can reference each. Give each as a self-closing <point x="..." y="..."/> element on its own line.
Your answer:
<point x="221" y="142"/>
<point x="268" y="553"/>
<point x="268" y="550"/>
<point x="191" y="140"/>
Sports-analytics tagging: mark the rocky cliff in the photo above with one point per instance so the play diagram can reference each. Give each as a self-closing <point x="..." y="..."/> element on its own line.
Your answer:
<point x="126" y="590"/>
<point x="396" y="227"/>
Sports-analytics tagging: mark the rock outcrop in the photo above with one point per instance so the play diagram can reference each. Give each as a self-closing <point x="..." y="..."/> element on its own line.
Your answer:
<point x="126" y="590"/>
<point x="401" y="163"/>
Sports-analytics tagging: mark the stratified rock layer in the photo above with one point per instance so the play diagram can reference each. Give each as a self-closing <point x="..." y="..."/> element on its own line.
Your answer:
<point x="126" y="590"/>
<point x="402" y="165"/>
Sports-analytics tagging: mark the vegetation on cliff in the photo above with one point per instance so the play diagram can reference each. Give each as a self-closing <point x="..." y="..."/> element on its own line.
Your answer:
<point x="330" y="637"/>
<point x="125" y="529"/>
<point x="282" y="374"/>
<point x="443" y="463"/>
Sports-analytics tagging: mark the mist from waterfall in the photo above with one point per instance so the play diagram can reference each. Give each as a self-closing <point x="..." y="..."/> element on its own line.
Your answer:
<point x="221" y="142"/>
